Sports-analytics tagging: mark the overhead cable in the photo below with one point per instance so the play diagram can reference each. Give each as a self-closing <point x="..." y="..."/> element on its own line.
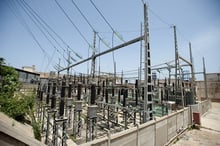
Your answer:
<point x="34" y="21"/>
<point x="23" y="22"/>
<point x="67" y="16"/>
<point x="86" y="19"/>
<point x="159" y="18"/>
<point x="106" y="21"/>
<point x="50" y="28"/>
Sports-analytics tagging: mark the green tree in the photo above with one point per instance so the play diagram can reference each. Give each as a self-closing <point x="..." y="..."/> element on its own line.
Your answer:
<point x="9" y="80"/>
<point x="14" y="104"/>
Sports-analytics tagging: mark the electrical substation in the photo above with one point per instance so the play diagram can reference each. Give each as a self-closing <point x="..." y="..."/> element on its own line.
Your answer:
<point x="85" y="107"/>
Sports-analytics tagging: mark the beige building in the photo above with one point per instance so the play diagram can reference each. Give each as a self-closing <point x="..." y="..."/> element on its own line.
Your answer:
<point x="29" y="68"/>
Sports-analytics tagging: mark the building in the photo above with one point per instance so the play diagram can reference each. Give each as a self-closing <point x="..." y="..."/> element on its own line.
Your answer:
<point x="27" y="76"/>
<point x="29" y="68"/>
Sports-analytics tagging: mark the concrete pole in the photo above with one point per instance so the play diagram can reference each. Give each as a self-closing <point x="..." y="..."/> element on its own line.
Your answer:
<point x="68" y="62"/>
<point x="147" y="70"/>
<point x="58" y="70"/>
<point x="176" y="63"/>
<point x="93" y="57"/>
<point x="177" y="68"/>
<point x="205" y="80"/>
<point x="192" y="72"/>
<point x="140" y="72"/>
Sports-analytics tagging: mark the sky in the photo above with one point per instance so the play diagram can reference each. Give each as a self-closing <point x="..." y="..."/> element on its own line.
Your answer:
<point x="22" y="42"/>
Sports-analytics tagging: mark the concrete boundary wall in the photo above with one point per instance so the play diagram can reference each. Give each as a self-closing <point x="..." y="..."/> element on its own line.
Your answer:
<point x="201" y="107"/>
<point x="153" y="133"/>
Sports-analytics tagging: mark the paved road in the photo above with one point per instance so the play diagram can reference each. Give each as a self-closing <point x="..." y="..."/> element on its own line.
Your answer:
<point x="208" y="135"/>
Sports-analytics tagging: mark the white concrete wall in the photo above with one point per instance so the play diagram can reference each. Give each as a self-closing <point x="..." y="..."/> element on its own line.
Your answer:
<point x="152" y="133"/>
<point x="161" y="132"/>
<point x="201" y="107"/>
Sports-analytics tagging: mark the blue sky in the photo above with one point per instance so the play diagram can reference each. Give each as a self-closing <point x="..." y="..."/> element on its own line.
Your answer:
<point x="197" y="21"/>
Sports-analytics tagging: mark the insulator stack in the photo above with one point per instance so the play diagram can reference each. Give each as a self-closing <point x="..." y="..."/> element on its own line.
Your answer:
<point x="113" y="91"/>
<point x="103" y="88"/>
<point x="63" y="89"/>
<point x="79" y="90"/>
<point x="48" y="93"/>
<point x="136" y="92"/>
<point x="70" y="90"/>
<point x="53" y="101"/>
<point x="41" y="95"/>
<point x="93" y="94"/>
<point x="119" y="96"/>
<point x="106" y="95"/>
<point x="61" y="109"/>
<point x="125" y="96"/>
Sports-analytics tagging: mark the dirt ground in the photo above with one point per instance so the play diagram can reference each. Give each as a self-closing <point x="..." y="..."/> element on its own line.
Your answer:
<point x="207" y="135"/>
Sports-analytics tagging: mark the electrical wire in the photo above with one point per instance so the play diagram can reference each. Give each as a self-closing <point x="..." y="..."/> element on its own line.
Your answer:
<point x="106" y="21"/>
<point x="25" y="25"/>
<point x="67" y="16"/>
<point x="35" y="19"/>
<point x="86" y="19"/>
<point x="50" y="28"/>
<point x="35" y="22"/>
<point x="159" y="18"/>
<point x="38" y="19"/>
<point x="83" y="15"/>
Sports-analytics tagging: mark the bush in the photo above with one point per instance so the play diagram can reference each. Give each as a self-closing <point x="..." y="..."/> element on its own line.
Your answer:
<point x="36" y="129"/>
<point x="18" y="106"/>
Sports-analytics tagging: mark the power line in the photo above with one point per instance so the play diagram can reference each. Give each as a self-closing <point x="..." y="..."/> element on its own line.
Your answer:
<point x="64" y="12"/>
<point x="48" y="34"/>
<point x="40" y="20"/>
<point x="36" y="18"/>
<point x="106" y="21"/>
<point x="25" y="25"/>
<point x="50" y="28"/>
<point x="159" y="18"/>
<point x="83" y="16"/>
<point x="35" y="22"/>
<point x="86" y="19"/>
<point x="102" y="15"/>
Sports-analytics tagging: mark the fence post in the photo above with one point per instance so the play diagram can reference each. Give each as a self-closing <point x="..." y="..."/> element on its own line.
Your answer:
<point x="137" y="140"/>
<point x="109" y="138"/>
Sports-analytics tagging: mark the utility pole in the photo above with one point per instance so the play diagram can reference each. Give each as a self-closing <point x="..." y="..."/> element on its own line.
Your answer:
<point x="92" y="108"/>
<point x="192" y="71"/>
<point x="147" y="71"/>
<point x="205" y="79"/>
<point x="68" y="62"/>
<point x="176" y="62"/>
<point x="93" y="57"/>
<point x="58" y="72"/>
<point x="140" y="72"/>
<point x="177" y="69"/>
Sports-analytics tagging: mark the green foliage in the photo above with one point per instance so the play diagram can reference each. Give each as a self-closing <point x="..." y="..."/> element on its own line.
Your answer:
<point x="9" y="81"/>
<point x="36" y="129"/>
<point x="18" y="106"/>
<point x="14" y="103"/>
